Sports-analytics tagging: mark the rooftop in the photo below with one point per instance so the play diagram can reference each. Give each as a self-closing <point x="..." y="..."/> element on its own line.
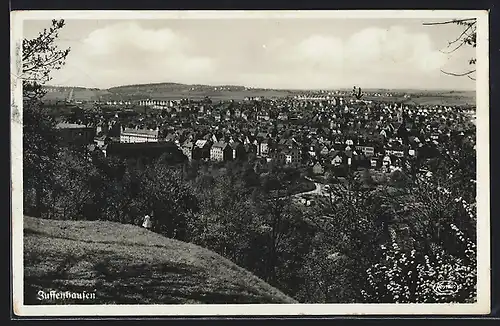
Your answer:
<point x="220" y="145"/>
<point x="64" y="125"/>
<point x="140" y="131"/>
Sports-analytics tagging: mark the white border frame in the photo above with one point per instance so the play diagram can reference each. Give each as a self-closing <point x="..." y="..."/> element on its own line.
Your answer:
<point x="482" y="306"/>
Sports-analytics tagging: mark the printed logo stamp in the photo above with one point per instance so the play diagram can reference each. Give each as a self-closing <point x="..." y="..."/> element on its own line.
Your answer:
<point x="445" y="288"/>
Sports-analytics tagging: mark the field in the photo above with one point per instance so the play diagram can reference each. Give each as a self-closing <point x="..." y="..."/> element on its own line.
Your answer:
<point x="126" y="264"/>
<point x="171" y="91"/>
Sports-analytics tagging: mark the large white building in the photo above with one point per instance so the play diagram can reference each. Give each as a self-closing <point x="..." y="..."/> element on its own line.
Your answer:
<point x="129" y="135"/>
<point x="157" y="104"/>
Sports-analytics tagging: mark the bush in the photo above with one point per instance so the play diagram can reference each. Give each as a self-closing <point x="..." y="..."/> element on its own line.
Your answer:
<point x="399" y="180"/>
<point x="411" y="277"/>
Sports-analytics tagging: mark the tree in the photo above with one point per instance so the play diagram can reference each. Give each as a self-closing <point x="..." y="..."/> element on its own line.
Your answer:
<point x="411" y="276"/>
<point x="466" y="37"/>
<point x="227" y="222"/>
<point x="349" y="219"/>
<point x="357" y="93"/>
<point x="276" y="213"/>
<point x="171" y="201"/>
<point x="41" y="56"/>
<point x="77" y="189"/>
<point x="399" y="179"/>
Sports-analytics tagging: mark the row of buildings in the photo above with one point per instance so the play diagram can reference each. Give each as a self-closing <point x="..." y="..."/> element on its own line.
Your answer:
<point x="291" y="131"/>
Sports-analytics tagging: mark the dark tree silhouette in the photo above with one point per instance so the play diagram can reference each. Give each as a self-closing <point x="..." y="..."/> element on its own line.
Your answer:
<point x="356" y="92"/>
<point x="40" y="57"/>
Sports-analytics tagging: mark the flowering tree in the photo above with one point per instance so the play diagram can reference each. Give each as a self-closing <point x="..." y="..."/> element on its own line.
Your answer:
<point x="440" y="252"/>
<point x="414" y="277"/>
<point x="439" y="213"/>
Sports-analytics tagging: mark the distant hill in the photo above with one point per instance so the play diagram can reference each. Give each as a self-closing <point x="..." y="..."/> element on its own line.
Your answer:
<point x="126" y="264"/>
<point x="173" y="87"/>
<point x="161" y="91"/>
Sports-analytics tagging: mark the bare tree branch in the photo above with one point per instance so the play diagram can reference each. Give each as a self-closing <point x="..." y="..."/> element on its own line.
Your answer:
<point x="462" y="34"/>
<point x="469" y="39"/>
<point x="459" y="74"/>
<point x="453" y="21"/>
<point x="456" y="48"/>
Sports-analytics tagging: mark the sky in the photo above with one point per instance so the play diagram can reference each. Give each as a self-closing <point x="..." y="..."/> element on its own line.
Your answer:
<point x="284" y="53"/>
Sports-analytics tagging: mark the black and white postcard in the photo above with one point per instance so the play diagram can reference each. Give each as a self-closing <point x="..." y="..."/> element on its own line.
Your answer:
<point x="250" y="163"/>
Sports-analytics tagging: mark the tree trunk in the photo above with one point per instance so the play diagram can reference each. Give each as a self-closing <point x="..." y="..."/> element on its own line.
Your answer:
<point x="38" y="199"/>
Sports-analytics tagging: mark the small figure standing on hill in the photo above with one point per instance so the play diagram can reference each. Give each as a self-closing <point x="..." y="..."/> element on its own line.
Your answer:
<point x="147" y="221"/>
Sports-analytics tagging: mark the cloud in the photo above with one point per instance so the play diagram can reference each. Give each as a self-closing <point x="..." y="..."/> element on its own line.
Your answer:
<point x="129" y="53"/>
<point x="371" y="50"/>
<point x="122" y="36"/>
<point x="320" y="49"/>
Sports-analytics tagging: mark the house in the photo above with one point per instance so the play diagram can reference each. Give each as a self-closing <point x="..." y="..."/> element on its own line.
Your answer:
<point x="114" y="129"/>
<point x="250" y="140"/>
<point x="292" y="155"/>
<point x="221" y="152"/>
<point x="310" y="202"/>
<point x="251" y="148"/>
<point x="92" y="151"/>
<point x="318" y="169"/>
<point x="278" y="156"/>
<point x="239" y="152"/>
<point x="102" y="128"/>
<point x="71" y="133"/>
<point x="262" y="135"/>
<point x="263" y="116"/>
<point x="337" y="160"/>
<point x="171" y="137"/>
<point x="283" y="116"/>
<point x="131" y="135"/>
<point x="187" y="149"/>
<point x="350" y="155"/>
<point x="386" y="161"/>
<point x="366" y="150"/>
<point x="396" y="150"/>
<point x="286" y="143"/>
<point x="202" y="149"/>
<point x="263" y="148"/>
<point x="324" y="150"/>
<point x="101" y="141"/>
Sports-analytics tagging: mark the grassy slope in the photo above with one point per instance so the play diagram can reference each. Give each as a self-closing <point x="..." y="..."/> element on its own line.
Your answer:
<point x="128" y="264"/>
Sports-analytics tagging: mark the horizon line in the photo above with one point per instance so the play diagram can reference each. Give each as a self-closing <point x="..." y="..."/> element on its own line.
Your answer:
<point x="272" y="88"/>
